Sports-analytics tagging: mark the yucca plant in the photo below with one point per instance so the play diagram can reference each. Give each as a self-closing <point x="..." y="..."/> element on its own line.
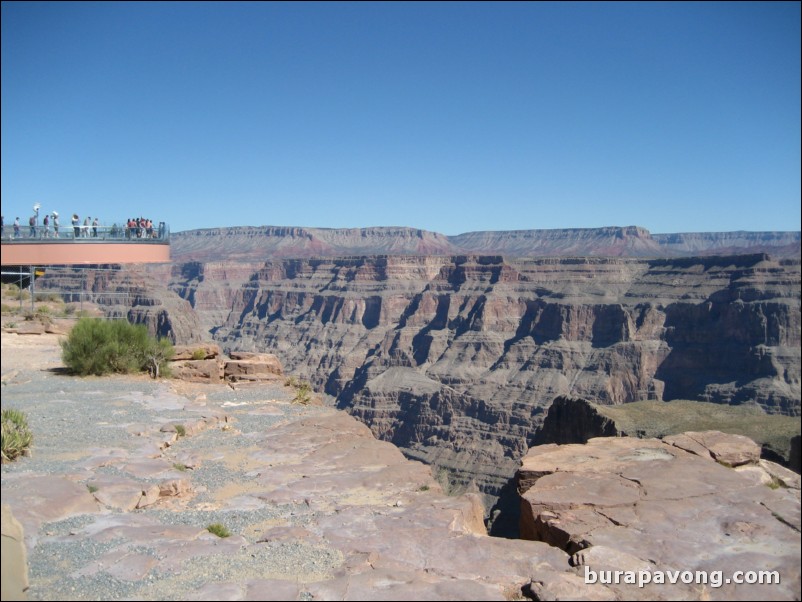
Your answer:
<point x="16" y="436"/>
<point x="218" y="529"/>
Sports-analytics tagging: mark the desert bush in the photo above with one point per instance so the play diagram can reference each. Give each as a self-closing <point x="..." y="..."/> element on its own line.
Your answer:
<point x="218" y="529"/>
<point x="9" y="309"/>
<point x="16" y="436"/>
<point x="303" y="390"/>
<point x="99" y="347"/>
<point x="49" y="298"/>
<point x="18" y="294"/>
<point x="41" y="314"/>
<point x="199" y="354"/>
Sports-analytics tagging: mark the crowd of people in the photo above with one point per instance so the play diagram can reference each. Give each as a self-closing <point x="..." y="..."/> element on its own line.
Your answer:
<point x="133" y="228"/>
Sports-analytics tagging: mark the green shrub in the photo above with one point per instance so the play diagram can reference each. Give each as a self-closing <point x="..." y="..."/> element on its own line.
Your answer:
<point x="16" y="436"/>
<point x="303" y="390"/>
<point x="218" y="529"/>
<point x="100" y="347"/>
<point x="199" y="354"/>
<point x="19" y="294"/>
<point x="41" y="315"/>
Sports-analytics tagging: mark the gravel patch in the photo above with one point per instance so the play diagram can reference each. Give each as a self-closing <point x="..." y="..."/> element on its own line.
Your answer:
<point x="75" y="558"/>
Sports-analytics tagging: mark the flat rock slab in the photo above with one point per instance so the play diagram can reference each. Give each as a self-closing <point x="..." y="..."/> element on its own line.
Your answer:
<point x="625" y="504"/>
<point x="730" y="450"/>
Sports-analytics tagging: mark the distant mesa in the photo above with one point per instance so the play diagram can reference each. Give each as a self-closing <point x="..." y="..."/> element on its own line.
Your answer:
<point x="256" y="243"/>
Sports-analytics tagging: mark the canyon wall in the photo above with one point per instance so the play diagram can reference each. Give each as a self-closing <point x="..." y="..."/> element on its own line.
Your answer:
<point x="456" y="358"/>
<point x="137" y="293"/>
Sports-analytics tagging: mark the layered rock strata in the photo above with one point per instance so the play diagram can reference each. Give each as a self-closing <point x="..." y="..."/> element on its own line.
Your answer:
<point x="455" y="359"/>
<point x="115" y="504"/>
<point x="133" y="292"/>
<point x="205" y="363"/>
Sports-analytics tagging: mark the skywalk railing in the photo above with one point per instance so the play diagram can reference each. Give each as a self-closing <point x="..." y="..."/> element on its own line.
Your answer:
<point x="159" y="233"/>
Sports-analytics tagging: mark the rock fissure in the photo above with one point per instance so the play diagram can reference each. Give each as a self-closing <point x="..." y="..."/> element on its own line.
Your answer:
<point x="780" y="518"/>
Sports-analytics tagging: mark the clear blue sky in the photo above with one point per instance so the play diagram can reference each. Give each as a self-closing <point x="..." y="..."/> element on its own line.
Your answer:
<point x="452" y="117"/>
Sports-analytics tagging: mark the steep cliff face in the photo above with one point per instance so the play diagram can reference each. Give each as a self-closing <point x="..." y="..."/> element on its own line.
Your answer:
<point x="454" y="359"/>
<point x="140" y="295"/>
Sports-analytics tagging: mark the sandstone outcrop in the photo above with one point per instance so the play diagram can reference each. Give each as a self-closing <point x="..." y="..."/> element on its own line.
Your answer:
<point x="649" y="505"/>
<point x="204" y="363"/>
<point x="252" y="367"/>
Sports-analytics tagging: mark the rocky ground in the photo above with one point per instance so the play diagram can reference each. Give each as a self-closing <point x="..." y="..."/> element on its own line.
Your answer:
<point x="127" y="475"/>
<point x="115" y="504"/>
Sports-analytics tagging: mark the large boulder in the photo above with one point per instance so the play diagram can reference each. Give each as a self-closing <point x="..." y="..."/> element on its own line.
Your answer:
<point x="629" y="504"/>
<point x="199" y="351"/>
<point x="198" y="371"/>
<point x="247" y="366"/>
<point x="15" y="560"/>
